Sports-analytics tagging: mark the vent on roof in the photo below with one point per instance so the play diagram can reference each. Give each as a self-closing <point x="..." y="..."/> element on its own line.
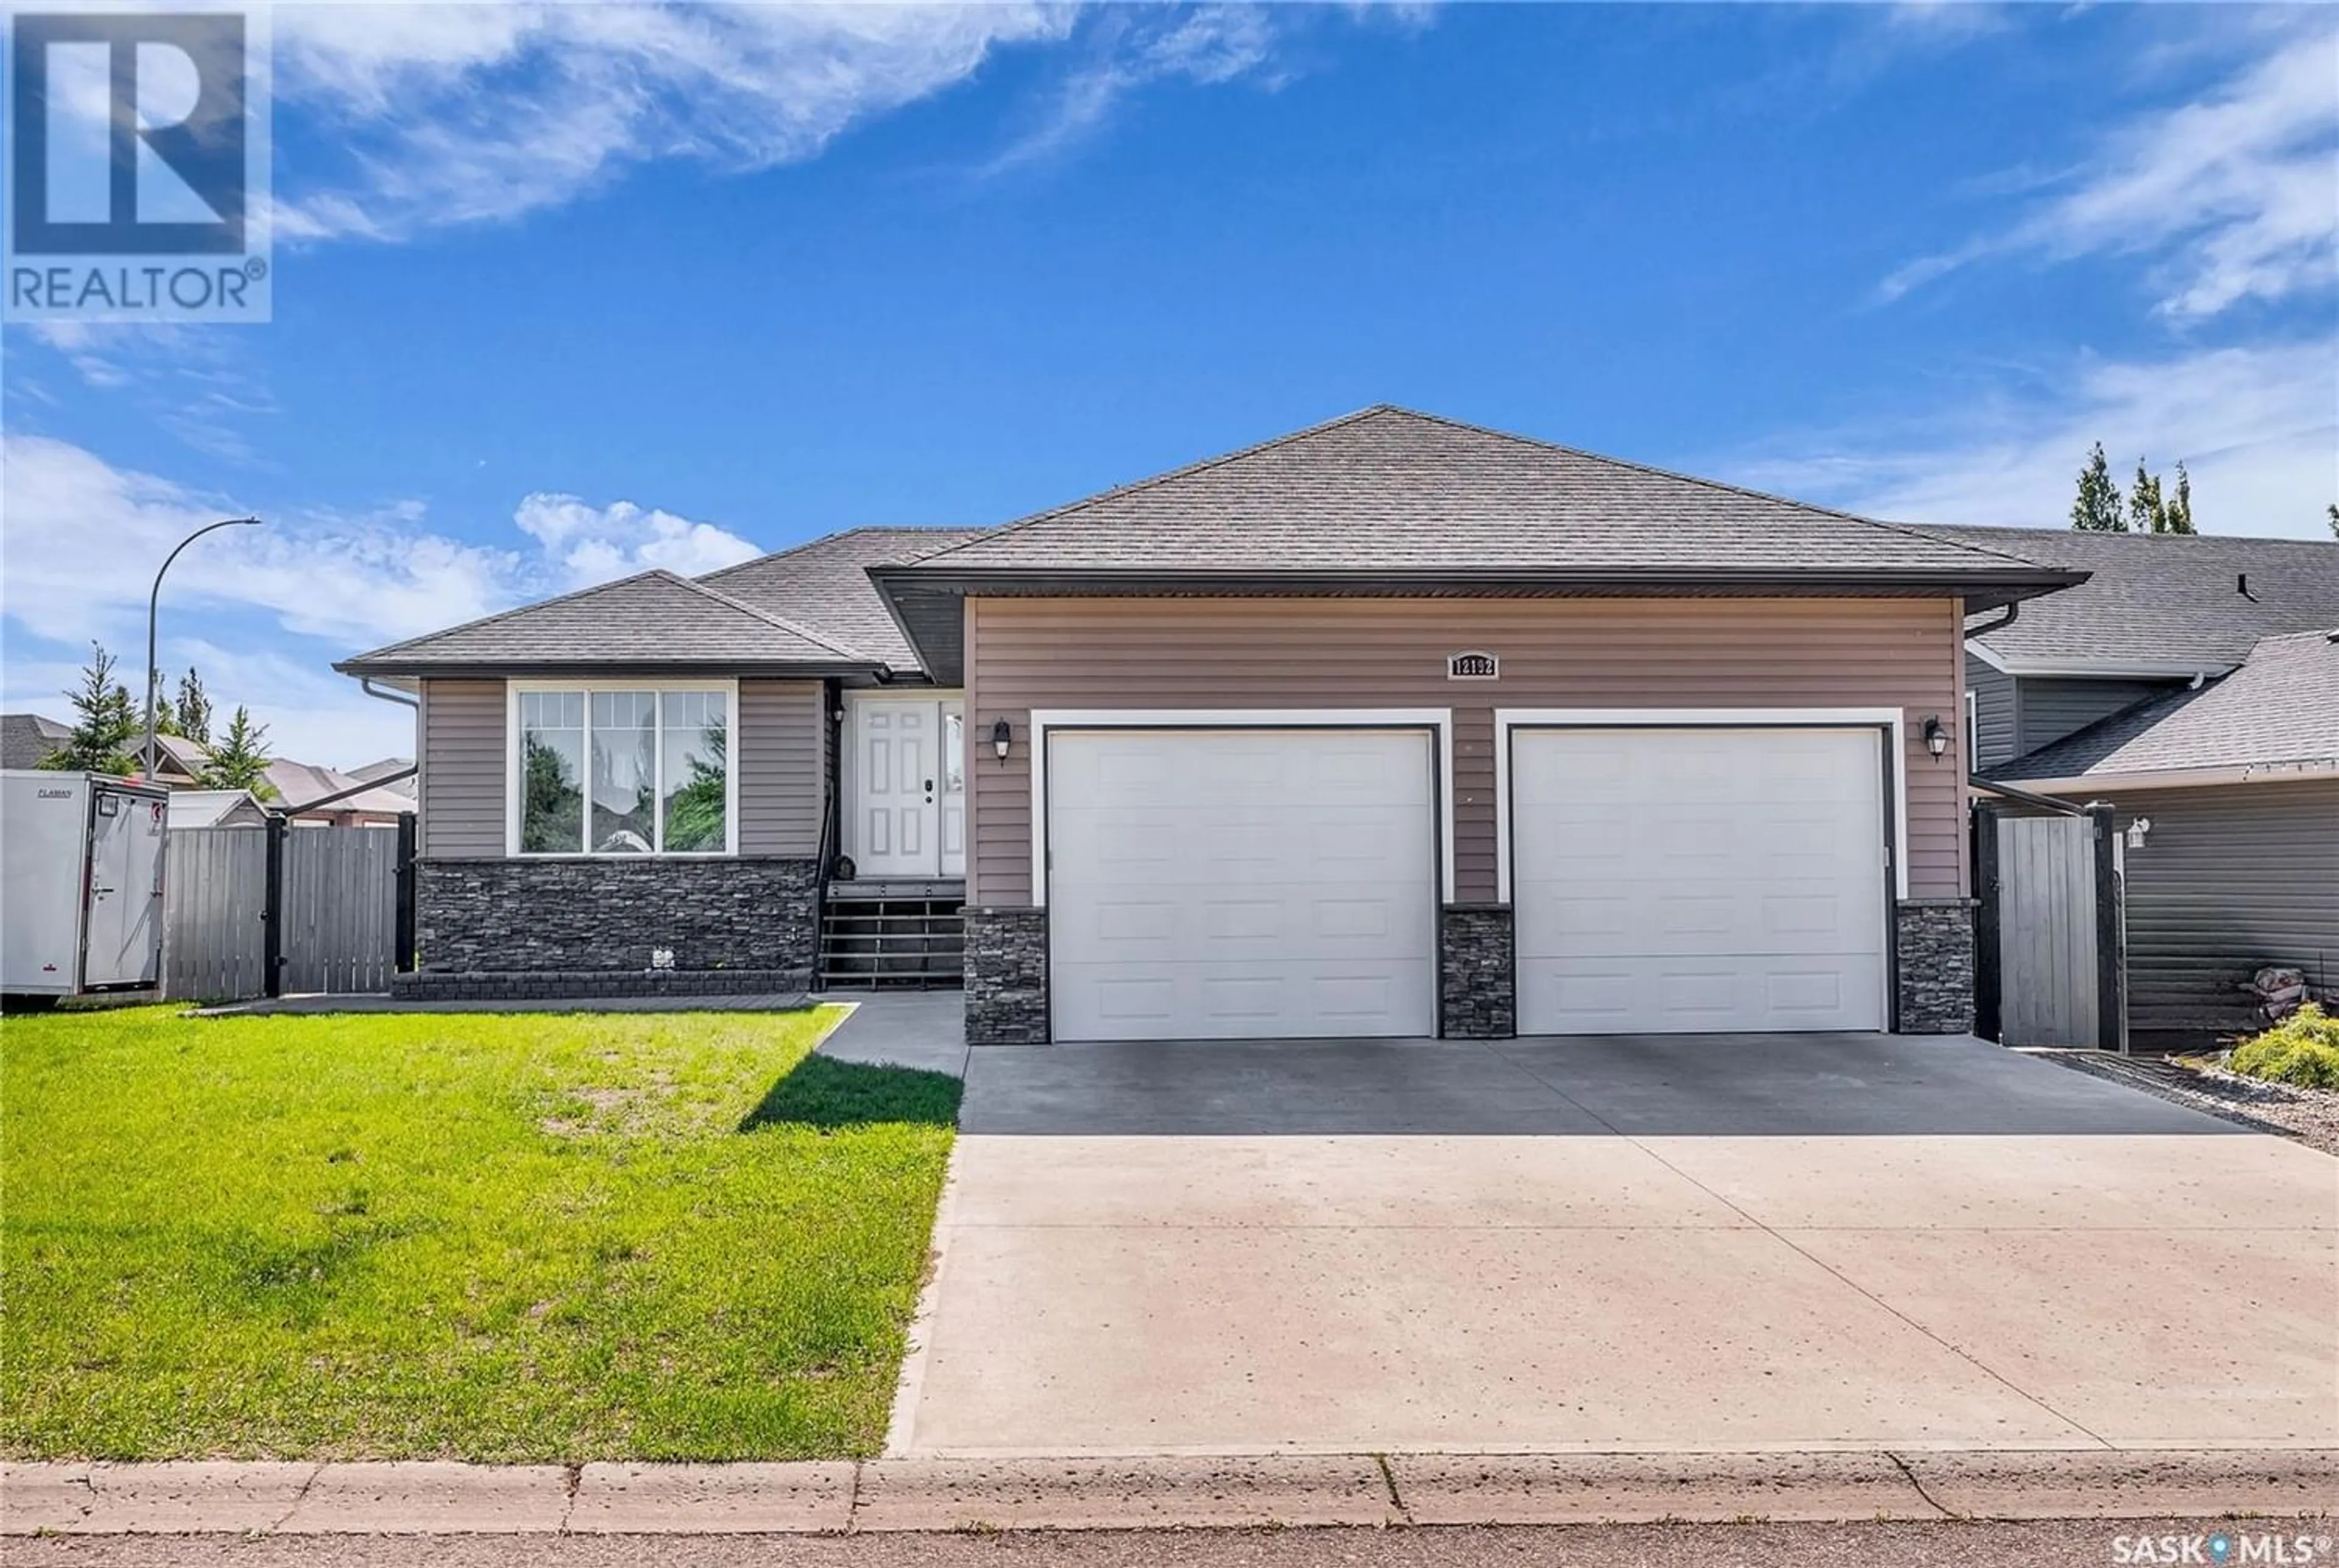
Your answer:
<point x="2242" y="587"/>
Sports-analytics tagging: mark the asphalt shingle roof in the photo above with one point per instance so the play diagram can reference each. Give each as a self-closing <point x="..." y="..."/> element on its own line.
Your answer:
<point x="2162" y="599"/>
<point x="642" y="622"/>
<point x="2280" y="707"/>
<point x="1390" y="490"/>
<point x="28" y="740"/>
<point x="824" y="584"/>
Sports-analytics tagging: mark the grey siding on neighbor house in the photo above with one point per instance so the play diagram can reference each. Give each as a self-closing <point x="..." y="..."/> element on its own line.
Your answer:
<point x="2228" y="879"/>
<point x="1339" y="653"/>
<point x="462" y="788"/>
<point x="1994" y="716"/>
<point x="2049" y="707"/>
<point x="782" y="766"/>
<point x="781" y="760"/>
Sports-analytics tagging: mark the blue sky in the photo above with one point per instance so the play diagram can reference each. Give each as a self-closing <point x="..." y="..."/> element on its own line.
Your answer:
<point x="562" y="292"/>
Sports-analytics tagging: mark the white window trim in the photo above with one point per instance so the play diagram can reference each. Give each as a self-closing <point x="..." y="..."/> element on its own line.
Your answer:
<point x="1890" y="720"/>
<point x="1440" y="721"/>
<point x="514" y="774"/>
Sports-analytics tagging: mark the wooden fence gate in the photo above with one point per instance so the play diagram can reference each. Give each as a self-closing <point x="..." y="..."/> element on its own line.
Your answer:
<point x="253" y="911"/>
<point x="2050" y="934"/>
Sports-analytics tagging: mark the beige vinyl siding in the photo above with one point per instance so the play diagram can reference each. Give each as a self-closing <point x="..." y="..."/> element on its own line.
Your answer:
<point x="463" y="778"/>
<point x="1130" y="652"/>
<point x="783" y="767"/>
<point x="781" y="757"/>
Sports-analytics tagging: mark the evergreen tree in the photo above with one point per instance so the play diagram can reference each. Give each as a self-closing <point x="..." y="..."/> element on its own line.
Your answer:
<point x="193" y="713"/>
<point x="2096" y="508"/>
<point x="106" y="727"/>
<point x="2146" y="514"/>
<point x="2331" y="514"/>
<point x="2180" y="509"/>
<point x="241" y="759"/>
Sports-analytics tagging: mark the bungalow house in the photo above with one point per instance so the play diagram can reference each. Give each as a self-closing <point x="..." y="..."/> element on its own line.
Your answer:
<point x="1393" y="727"/>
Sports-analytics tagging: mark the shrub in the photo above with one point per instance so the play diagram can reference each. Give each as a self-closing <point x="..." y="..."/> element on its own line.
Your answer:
<point x="2304" y="1049"/>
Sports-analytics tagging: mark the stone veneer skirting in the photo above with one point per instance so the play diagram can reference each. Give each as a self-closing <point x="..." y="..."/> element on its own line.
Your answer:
<point x="1934" y="951"/>
<point x="590" y="927"/>
<point x="1477" y="992"/>
<point x="1006" y="975"/>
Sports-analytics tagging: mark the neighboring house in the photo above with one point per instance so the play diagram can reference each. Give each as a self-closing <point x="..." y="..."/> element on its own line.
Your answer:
<point x="2235" y="784"/>
<point x="300" y="785"/>
<point x="2156" y="611"/>
<point x="215" y="808"/>
<point x="2181" y="682"/>
<point x="395" y="774"/>
<point x="28" y="740"/>
<point x="1394" y="726"/>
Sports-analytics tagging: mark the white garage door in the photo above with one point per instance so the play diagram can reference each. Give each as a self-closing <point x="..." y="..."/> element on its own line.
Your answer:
<point x="1212" y="885"/>
<point x="1688" y="880"/>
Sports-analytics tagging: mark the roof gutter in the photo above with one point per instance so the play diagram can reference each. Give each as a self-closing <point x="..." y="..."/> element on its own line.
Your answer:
<point x="1142" y="580"/>
<point x="2302" y="770"/>
<point x="2023" y="798"/>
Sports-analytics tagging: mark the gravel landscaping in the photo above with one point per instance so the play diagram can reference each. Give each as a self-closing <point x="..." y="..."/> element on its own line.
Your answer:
<point x="2307" y="1116"/>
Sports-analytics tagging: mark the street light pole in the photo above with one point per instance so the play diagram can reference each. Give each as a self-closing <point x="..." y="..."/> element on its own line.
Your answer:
<point x="153" y="599"/>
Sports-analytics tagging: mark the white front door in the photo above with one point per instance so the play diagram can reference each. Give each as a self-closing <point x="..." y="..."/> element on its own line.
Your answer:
<point x="1241" y="884"/>
<point x="910" y="779"/>
<point x="1697" y="881"/>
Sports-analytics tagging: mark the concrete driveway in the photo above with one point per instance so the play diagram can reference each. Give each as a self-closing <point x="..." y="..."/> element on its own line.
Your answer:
<point x="1721" y="1243"/>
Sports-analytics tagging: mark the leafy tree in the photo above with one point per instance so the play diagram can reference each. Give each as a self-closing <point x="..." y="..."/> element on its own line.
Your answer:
<point x="2146" y="514"/>
<point x="2096" y="508"/>
<point x="106" y="727"/>
<point x="193" y="710"/>
<point x="2180" y="509"/>
<point x="2331" y="514"/>
<point x="693" y="813"/>
<point x="241" y="759"/>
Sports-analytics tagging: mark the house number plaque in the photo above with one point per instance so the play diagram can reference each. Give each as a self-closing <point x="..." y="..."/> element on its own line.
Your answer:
<point x="1473" y="667"/>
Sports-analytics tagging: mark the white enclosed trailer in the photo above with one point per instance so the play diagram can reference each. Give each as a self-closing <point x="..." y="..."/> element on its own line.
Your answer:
<point x="81" y="858"/>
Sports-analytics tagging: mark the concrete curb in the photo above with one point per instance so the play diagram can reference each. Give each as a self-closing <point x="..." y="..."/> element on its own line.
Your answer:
<point x="429" y="1497"/>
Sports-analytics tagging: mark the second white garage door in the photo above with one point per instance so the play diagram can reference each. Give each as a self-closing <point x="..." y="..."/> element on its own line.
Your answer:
<point x="1698" y="879"/>
<point x="1214" y="884"/>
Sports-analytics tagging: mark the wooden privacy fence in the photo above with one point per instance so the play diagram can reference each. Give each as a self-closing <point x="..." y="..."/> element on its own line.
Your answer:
<point x="214" y="908"/>
<point x="2051" y="933"/>
<point x="311" y="909"/>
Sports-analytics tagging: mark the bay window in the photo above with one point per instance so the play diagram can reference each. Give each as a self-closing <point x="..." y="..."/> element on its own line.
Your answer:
<point x="621" y="768"/>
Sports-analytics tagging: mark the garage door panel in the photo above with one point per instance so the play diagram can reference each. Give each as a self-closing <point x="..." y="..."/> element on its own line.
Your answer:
<point x="1287" y="886"/>
<point x="1712" y="879"/>
<point x="1622" y="994"/>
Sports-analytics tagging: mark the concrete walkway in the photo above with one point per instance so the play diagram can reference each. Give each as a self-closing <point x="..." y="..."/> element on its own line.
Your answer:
<point x="433" y="1498"/>
<point x="1790" y="1243"/>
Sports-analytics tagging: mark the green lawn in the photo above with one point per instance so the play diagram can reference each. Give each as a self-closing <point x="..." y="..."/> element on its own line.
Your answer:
<point x="495" y="1237"/>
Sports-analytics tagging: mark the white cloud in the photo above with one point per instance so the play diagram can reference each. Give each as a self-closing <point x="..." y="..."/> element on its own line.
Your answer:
<point x="460" y="114"/>
<point x="83" y="538"/>
<point x="2239" y="184"/>
<point x="2257" y="428"/>
<point x="594" y="544"/>
<point x="1209" y="45"/>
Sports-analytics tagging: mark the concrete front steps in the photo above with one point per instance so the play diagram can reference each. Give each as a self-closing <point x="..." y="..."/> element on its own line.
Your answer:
<point x="892" y="934"/>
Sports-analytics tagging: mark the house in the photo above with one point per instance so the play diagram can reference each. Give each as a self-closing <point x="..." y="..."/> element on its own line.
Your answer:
<point x="2186" y="683"/>
<point x="215" y="808"/>
<point x="28" y="740"/>
<point x="2157" y="612"/>
<point x="2227" y="794"/>
<point x="1393" y="727"/>
<point x="306" y="792"/>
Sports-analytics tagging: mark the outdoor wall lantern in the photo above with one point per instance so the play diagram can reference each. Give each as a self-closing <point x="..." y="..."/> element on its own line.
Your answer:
<point x="1002" y="736"/>
<point x="2137" y="828"/>
<point x="1937" y="740"/>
